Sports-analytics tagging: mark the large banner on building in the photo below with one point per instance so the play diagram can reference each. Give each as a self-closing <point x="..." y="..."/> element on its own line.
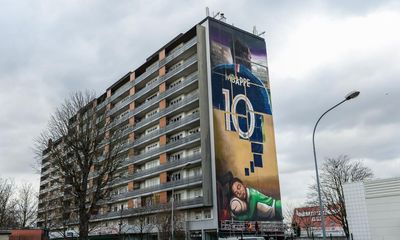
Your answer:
<point x="245" y="155"/>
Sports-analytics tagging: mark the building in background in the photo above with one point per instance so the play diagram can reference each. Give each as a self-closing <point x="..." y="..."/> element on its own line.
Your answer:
<point x="198" y="126"/>
<point x="307" y="223"/>
<point x="373" y="209"/>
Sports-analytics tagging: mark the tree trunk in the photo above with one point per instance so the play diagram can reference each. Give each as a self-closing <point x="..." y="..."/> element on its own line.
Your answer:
<point x="83" y="222"/>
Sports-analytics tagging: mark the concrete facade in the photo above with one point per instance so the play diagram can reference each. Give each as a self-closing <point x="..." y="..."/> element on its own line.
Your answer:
<point x="373" y="209"/>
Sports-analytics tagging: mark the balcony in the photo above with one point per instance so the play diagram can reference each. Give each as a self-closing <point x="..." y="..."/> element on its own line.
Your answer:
<point x="179" y="51"/>
<point x="120" y="105"/>
<point x="183" y="204"/>
<point x="155" y="100"/>
<point x="162" y="149"/>
<point x="148" y="137"/>
<point x="103" y="104"/>
<point x="146" y="74"/>
<point x="158" y="169"/>
<point x="179" y="184"/>
<point x="188" y="62"/>
<point x="149" y="71"/>
<point x="170" y="109"/>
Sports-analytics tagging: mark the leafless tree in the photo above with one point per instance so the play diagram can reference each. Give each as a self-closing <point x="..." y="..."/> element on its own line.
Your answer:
<point x="7" y="204"/>
<point x="84" y="152"/>
<point x="26" y="206"/>
<point x="162" y="222"/>
<point x="335" y="172"/>
<point x="142" y="226"/>
<point x="288" y="216"/>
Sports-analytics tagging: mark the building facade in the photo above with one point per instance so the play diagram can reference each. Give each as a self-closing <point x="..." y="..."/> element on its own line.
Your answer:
<point x="373" y="209"/>
<point x="307" y="223"/>
<point x="164" y="110"/>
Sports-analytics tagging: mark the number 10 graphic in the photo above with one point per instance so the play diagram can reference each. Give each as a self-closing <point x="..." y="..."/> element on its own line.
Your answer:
<point x="231" y="112"/>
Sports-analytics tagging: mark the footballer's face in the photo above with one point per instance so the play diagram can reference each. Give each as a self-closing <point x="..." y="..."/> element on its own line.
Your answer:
<point x="239" y="190"/>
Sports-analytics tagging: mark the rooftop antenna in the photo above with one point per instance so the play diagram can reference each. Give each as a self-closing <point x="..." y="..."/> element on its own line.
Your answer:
<point x="222" y="17"/>
<point x="255" y="32"/>
<point x="207" y="12"/>
<point x="262" y="33"/>
<point x="215" y="15"/>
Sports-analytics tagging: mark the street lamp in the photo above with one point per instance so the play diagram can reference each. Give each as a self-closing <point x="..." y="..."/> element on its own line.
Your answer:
<point x="172" y="202"/>
<point x="349" y="96"/>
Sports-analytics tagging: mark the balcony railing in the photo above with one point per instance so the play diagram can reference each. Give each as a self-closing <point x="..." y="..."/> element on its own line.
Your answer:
<point x="158" y="188"/>
<point x="155" y="170"/>
<point x="168" y="128"/>
<point x="149" y="71"/>
<point x="147" y="121"/>
<point x="165" y="148"/>
<point x="195" y="202"/>
<point x="173" y="54"/>
<point x="120" y="105"/>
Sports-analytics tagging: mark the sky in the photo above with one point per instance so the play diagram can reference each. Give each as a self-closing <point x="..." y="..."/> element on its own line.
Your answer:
<point x="318" y="51"/>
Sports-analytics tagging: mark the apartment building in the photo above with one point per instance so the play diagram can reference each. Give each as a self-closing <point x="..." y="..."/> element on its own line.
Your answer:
<point x="163" y="109"/>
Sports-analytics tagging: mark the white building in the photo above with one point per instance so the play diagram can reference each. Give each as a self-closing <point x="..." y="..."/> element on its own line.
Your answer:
<point x="373" y="209"/>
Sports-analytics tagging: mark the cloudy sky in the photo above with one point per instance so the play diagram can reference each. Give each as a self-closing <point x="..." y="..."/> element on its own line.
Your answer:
<point x="318" y="51"/>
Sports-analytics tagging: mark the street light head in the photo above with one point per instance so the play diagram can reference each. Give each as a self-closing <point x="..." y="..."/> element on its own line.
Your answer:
<point x="352" y="95"/>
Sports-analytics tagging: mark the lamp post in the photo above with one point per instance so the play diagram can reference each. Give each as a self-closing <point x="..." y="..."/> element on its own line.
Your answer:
<point x="349" y="96"/>
<point x="173" y="201"/>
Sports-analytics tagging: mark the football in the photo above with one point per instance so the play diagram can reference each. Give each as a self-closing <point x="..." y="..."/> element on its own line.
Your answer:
<point x="238" y="206"/>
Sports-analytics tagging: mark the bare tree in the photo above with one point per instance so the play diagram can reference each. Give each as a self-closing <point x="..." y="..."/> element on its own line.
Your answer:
<point x="142" y="226"/>
<point x="7" y="204"/>
<point x="26" y="206"/>
<point x="335" y="172"/>
<point x="84" y="153"/>
<point x="288" y="216"/>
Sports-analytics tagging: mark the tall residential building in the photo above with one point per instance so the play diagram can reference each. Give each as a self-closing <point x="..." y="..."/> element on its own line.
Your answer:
<point x="198" y="126"/>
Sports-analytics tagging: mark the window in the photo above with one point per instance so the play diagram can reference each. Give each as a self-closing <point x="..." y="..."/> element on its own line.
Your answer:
<point x="152" y="164"/>
<point x="176" y="137"/>
<point x="123" y="114"/>
<point x="152" y="129"/>
<point x="151" y="113"/>
<point x="176" y="176"/>
<point x="175" y="100"/>
<point x="177" y="196"/>
<point x="176" y="156"/>
<point x="196" y="150"/>
<point x="175" y="118"/>
<point x="176" y="83"/>
<point x="152" y="182"/>
<point x="194" y="130"/>
<point x="175" y="66"/>
<point x="152" y="146"/>
<point x="151" y="81"/>
<point x="194" y="111"/>
<point x="152" y="97"/>
<point x="197" y="215"/>
<point x="207" y="214"/>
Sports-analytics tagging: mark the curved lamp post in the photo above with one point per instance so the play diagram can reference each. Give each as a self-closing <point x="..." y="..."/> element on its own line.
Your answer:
<point x="349" y="96"/>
